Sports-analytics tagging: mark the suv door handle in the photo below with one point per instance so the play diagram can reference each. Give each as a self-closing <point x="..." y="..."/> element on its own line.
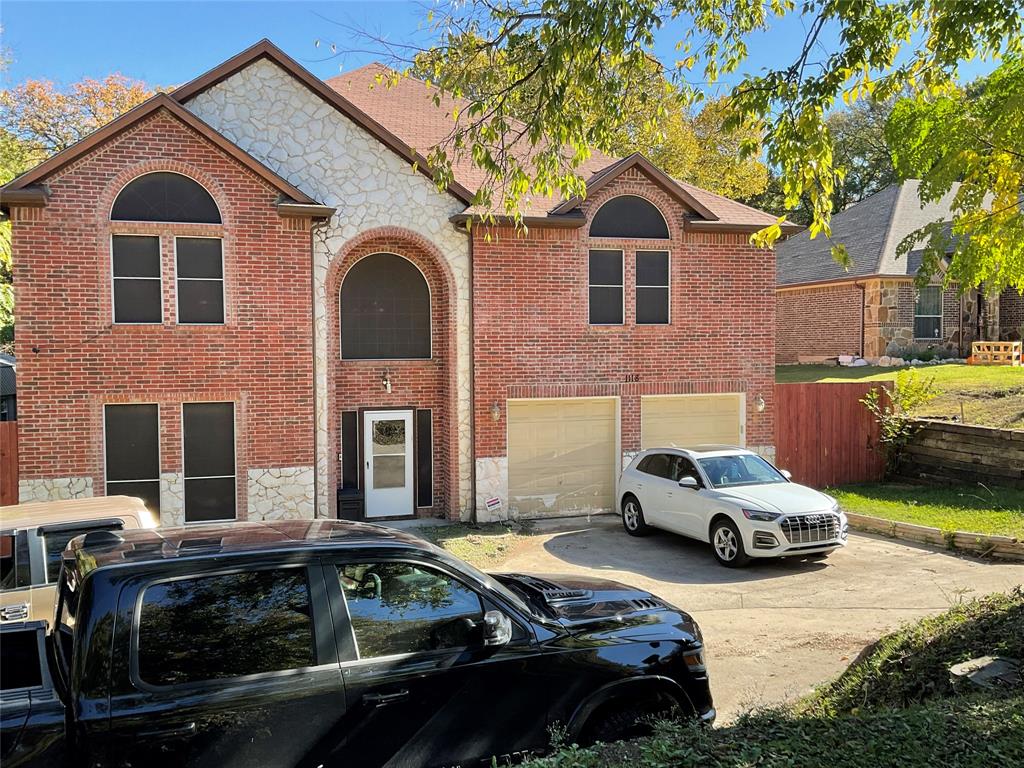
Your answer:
<point x="189" y="729"/>
<point x="383" y="699"/>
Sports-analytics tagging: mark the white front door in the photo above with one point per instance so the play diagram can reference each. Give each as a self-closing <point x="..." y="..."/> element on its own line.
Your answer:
<point x="387" y="463"/>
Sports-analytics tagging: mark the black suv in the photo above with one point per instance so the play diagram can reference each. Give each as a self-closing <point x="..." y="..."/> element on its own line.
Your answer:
<point x="332" y="643"/>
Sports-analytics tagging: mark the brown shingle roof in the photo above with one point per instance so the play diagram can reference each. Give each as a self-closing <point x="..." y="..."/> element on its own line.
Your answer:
<point x="423" y="118"/>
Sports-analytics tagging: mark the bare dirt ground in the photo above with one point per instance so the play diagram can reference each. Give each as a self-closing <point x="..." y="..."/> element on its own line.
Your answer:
<point x="778" y="628"/>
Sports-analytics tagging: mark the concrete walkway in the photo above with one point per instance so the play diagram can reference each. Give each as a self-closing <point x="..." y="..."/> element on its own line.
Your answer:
<point x="776" y="629"/>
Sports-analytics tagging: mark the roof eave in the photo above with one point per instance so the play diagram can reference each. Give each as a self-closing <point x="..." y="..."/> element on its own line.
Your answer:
<point x="568" y="221"/>
<point x="35" y="196"/>
<point x="696" y="225"/>
<point x="292" y="209"/>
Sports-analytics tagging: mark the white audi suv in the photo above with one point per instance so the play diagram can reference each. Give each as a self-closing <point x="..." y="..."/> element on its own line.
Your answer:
<point x="731" y="498"/>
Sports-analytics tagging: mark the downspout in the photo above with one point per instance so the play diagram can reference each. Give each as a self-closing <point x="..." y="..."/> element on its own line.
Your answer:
<point x="472" y="389"/>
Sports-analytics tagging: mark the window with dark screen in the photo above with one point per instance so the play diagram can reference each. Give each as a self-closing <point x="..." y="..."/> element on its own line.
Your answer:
<point x="928" y="313"/>
<point x="200" y="279"/>
<point x="629" y="216"/>
<point x="136" y="273"/>
<point x="131" y="447"/>
<point x="165" y="197"/>
<point x="208" y="450"/>
<point x="605" y="287"/>
<point x="223" y="626"/>
<point x="385" y="310"/>
<point x="652" y="287"/>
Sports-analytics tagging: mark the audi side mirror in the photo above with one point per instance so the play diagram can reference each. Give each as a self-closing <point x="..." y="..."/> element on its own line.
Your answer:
<point x="689" y="481"/>
<point x="786" y="474"/>
<point x="497" y="629"/>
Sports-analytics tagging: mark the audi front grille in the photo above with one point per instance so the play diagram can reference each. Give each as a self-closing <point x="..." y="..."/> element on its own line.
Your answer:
<point x="807" y="529"/>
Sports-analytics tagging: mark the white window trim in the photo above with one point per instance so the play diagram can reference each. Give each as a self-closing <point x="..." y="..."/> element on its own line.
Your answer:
<point x="185" y="478"/>
<point x="159" y="456"/>
<point x="178" y="280"/>
<point x="667" y="286"/>
<point x="917" y="298"/>
<point x="621" y="286"/>
<point x="159" y="278"/>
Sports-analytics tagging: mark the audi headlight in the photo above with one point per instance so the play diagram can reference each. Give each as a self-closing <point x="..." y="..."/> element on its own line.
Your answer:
<point x="760" y="515"/>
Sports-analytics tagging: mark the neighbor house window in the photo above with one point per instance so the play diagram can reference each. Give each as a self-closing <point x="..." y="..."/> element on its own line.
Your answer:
<point x="131" y="448"/>
<point x="385" y="310"/>
<point x="629" y="216"/>
<point x="605" y="287"/>
<point x="928" y="313"/>
<point x="208" y="450"/>
<point x="200" y="279"/>
<point x="136" y="271"/>
<point x="652" y="287"/>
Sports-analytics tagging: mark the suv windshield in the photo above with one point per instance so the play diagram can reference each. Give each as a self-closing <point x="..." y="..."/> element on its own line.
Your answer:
<point x="744" y="469"/>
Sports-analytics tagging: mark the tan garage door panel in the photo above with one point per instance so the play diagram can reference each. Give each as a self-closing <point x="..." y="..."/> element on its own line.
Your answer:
<point x="561" y="456"/>
<point x="690" y="420"/>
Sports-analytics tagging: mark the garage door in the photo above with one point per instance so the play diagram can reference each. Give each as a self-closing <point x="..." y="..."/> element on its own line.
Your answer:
<point x="561" y="456"/>
<point x="688" y="420"/>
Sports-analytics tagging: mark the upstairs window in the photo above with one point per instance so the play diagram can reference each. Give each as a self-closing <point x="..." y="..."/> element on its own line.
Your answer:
<point x="165" y="197"/>
<point x="385" y="310"/>
<point x="652" y="289"/>
<point x="137" y="284"/>
<point x="629" y="216"/>
<point x="605" y="287"/>
<point x="928" y="313"/>
<point x="200" y="279"/>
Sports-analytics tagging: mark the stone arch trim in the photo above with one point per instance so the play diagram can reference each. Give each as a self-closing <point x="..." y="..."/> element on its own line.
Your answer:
<point x="354" y="384"/>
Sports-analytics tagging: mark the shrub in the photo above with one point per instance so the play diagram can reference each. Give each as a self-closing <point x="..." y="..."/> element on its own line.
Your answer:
<point x="893" y="410"/>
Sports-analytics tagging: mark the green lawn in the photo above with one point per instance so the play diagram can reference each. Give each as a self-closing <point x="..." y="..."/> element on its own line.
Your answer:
<point x="972" y="509"/>
<point x="992" y="396"/>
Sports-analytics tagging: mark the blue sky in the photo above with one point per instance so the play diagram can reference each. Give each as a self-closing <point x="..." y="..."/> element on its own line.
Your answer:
<point x="168" y="43"/>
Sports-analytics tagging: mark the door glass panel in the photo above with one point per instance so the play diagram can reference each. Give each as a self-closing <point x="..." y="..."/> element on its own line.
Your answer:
<point x="404" y="608"/>
<point x="389" y="453"/>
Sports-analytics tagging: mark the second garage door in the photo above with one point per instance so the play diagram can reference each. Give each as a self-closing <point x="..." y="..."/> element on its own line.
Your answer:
<point x="689" y="420"/>
<point x="561" y="456"/>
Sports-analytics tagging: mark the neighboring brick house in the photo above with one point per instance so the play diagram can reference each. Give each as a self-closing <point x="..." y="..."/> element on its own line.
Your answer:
<point x="873" y="309"/>
<point x="249" y="299"/>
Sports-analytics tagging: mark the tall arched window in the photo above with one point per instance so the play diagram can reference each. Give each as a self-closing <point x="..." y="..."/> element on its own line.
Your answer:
<point x="629" y="216"/>
<point x="154" y="202"/>
<point x="385" y="310"/>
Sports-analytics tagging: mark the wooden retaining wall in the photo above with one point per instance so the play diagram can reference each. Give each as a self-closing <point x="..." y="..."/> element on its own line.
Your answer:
<point x="955" y="454"/>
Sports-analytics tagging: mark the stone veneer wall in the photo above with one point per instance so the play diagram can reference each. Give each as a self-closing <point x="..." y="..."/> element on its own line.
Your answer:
<point x="54" y="488"/>
<point x="283" y="124"/>
<point x="172" y="498"/>
<point x="281" y="493"/>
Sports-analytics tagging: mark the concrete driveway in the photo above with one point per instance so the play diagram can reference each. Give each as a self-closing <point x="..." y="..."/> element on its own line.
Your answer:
<point x="777" y="628"/>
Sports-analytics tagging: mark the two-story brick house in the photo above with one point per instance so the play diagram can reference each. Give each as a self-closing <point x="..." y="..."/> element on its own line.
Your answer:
<point x="249" y="299"/>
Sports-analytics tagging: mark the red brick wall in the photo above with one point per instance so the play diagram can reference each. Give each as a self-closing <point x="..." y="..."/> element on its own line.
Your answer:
<point x="356" y="384"/>
<point x="817" y="321"/>
<point x="532" y="337"/>
<point x="1011" y="314"/>
<point x="261" y="358"/>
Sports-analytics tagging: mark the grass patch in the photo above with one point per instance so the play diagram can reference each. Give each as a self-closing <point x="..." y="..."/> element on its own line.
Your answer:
<point x="485" y="546"/>
<point x="992" y="396"/>
<point x="974" y="509"/>
<point x="891" y="709"/>
<point x="912" y="664"/>
<point x="978" y="732"/>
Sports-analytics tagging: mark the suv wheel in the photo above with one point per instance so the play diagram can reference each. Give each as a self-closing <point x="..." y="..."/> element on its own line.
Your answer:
<point x="727" y="544"/>
<point x="628" y="720"/>
<point x="633" y="517"/>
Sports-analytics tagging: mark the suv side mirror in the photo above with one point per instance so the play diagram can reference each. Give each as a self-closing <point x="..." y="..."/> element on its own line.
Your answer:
<point x="786" y="474"/>
<point x="689" y="481"/>
<point x="497" y="629"/>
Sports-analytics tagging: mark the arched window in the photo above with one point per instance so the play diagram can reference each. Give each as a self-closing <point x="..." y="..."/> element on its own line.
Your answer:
<point x="165" y="196"/>
<point x="152" y="202"/>
<point x="385" y="310"/>
<point x="629" y="216"/>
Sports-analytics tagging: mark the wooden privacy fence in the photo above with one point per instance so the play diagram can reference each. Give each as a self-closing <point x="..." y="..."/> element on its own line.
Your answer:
<point x="8" y="462"/>
<point x="825" y="436"/>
